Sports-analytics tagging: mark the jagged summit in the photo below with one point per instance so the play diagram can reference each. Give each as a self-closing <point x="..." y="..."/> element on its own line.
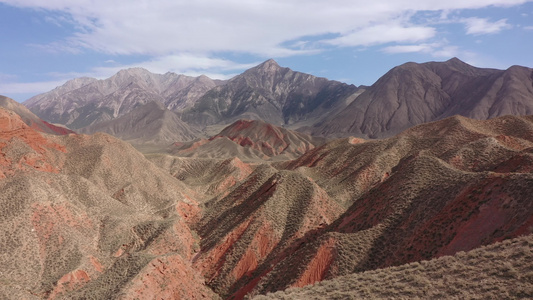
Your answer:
<point x="268" y="66"/>
<point x="86" y="101"/>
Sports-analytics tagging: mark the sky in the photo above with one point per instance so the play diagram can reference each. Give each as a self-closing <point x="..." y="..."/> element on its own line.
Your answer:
<point x="45" y="43"/>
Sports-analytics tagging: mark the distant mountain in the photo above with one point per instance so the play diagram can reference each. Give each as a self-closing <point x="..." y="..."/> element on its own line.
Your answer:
<point x="273" y="94"/>
<point x="150" y="123"/>
<point x="413" y="94"/>
<point x="406" y="96"/>
<point x="85" y="101"/>
<point x="30" y="118"/>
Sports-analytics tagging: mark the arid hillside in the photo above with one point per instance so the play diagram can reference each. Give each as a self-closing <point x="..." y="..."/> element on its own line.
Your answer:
<point x="80" y="218"/>
<point x="249" y="140"/>
<point x="88" y="216"/>
<point x="148" y="124"/>
<point x="353" y="205"/>
<point x="499" y="271"/>
<point x="31" y="119"/>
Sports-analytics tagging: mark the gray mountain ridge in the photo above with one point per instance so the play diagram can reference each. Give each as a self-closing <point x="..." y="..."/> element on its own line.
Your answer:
<point x="407" y="95"/>
<point x="93" y="101"/>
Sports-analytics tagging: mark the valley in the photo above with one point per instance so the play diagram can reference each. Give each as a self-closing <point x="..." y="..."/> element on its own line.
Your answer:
<point x="274" y="184"/>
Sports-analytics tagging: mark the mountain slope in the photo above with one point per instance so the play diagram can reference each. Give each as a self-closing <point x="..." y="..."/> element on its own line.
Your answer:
<point x="151" y="123"/>
<point x="407" y="95"/>
<point x="85" y="101"/>
<point x="444" y="187"/>
<point x="81" y="217"/>
<point x="89" y="216"/>
<point x="30" y="118"/>
<point x="270" y="93"/>
<point x="436" y="189"/>
<point x="249" y="140"/>
<point x="413" y="94"/>
<point x="498" y="271"/>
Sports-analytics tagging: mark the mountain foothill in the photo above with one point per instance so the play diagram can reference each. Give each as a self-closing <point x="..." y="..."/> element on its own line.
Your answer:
<point x="274" y="184"/>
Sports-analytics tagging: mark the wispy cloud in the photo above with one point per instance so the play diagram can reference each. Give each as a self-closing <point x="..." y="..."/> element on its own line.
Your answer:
<point x="440" y="49"/>
<point x="382" y="34"/>
<point x="187" y="64"/>
<point x="256" y="27"/>
<point x="478" y="26"/>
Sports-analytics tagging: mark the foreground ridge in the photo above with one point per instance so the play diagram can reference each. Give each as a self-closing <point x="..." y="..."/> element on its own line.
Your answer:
<point x="499" y="271"/>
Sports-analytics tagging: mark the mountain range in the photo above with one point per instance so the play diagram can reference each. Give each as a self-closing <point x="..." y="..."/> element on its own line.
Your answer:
<point x="273" y="184"/>
<point x="406" y="96"/>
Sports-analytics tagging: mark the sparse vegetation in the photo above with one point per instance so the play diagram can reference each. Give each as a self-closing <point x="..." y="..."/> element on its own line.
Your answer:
<point x="498" y="271"/>
<point x="363" y="219"/>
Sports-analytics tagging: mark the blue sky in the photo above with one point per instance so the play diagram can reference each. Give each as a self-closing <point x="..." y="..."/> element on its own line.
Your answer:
<point x="45" y="43"/>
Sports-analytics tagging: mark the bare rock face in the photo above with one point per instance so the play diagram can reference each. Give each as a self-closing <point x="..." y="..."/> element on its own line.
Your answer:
<point x="85" y="101"/>
<point x="406" y="96"/>
<point x="413" y="94"/>
<point x="270" y="93"/>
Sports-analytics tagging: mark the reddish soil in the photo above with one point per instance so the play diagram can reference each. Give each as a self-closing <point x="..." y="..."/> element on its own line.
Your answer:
<point x="69" y="282"/>
<point x="347" y="206"/>
<point x="168" y="277"/>
<point x="266" y="138"/>
<point x="318" y="267"/>
<point x="41" y="157"/>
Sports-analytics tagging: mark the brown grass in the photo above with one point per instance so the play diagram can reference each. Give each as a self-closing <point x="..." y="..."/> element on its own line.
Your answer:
<point x="499" y="271"/>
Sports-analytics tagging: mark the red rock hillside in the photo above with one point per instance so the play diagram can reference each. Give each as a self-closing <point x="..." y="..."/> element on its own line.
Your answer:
<point x="31" y="119"/>
<point x="80" y="218"/>
<point x="249" y="141"/>
<point x="88" y="216"/>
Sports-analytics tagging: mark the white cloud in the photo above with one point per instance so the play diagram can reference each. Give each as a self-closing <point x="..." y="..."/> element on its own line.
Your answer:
<point x="259" y="27"/>
<point x="528" y="27"/>
<point x="424" y="48"/>
<point x="187" y="64"/>
<point x="484" y="26"/>
<point x="382" y="34"/>
<point x="440" y="49"/>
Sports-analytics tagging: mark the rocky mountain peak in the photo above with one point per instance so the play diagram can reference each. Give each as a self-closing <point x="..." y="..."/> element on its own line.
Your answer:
<point x="269" y="66"/>
<point x="131" y="72"/>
